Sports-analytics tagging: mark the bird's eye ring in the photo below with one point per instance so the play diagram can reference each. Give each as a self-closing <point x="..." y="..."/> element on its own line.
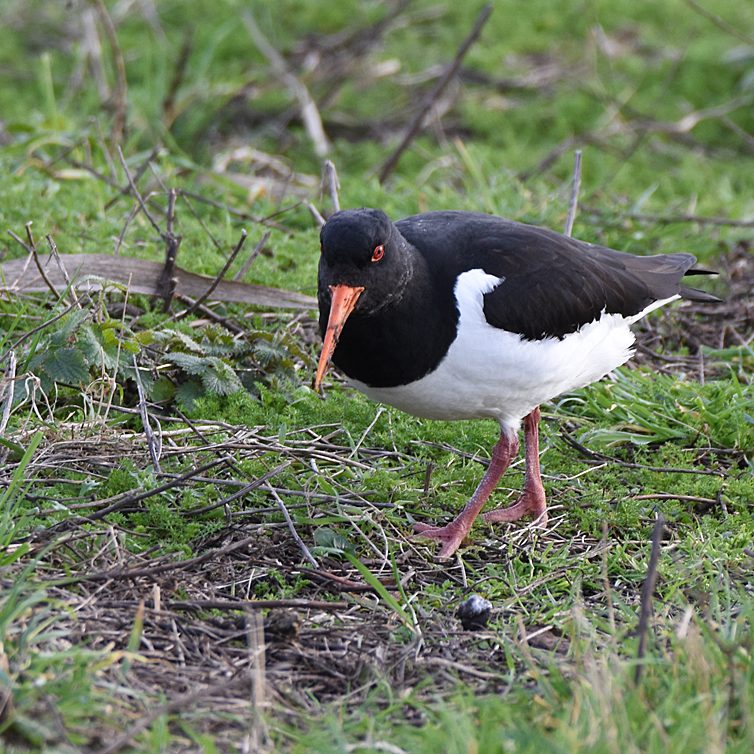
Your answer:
<point x="378" y="253"/>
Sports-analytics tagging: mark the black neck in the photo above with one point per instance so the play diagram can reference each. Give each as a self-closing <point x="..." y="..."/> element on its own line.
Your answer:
<point x="406" y="338"/>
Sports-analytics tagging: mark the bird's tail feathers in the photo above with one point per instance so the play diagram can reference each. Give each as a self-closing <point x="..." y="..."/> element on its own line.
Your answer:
<point x="694" y="294"/>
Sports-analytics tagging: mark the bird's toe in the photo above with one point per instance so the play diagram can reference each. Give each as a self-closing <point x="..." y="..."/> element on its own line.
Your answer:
<point x="450" y="537"/>
<point x="531" y="503"/>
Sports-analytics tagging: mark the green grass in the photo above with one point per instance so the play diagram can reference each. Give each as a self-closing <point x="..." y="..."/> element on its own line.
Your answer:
<point x="80" y="674"/>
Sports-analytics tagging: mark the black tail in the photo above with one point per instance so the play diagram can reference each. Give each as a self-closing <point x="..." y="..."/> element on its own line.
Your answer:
<point x="694" y="294"/>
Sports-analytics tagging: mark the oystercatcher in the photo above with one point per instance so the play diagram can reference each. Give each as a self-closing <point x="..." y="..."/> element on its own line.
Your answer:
<point x="461" y="315"/>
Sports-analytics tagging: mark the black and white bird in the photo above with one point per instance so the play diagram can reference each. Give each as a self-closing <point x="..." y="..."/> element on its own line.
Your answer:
<point x="461" y="315"/>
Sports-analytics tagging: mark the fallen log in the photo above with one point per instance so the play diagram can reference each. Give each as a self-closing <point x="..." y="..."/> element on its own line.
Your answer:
<point x="92" y="272"/>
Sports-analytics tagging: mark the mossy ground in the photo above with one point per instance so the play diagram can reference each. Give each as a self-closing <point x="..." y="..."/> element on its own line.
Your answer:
<point x="109" y="621"/>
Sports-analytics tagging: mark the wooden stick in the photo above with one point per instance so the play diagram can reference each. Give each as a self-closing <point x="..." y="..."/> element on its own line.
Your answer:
<point x="575" y="186"/>
<point x="220" y="275"/>
<point x="330" y="179"/>
<point x="153" y="443"/>
<point x="315" y="213"/>
<point x="450" y="72"/>
<point x="255" y="252"/>
<point x="307" y="106"/>
<point x="32" y="249"/>
<point x="647" y="592"/>
<point x="300" y="542"/>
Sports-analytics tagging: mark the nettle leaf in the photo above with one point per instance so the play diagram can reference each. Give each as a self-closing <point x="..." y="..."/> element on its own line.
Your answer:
<point x="271" y="354"/>
<point x="220" y="378"/>
<point x="145" y="337"/>
<point x="70" y="324"/>
<point x="162" y="391"/>
<point x="101" y="351"/>
<point x="217" y="341"/>
<point x="188" y="362"/>
<point x="188" y="393"/>
<point x="180" y="339"/>
<point x="66" y="365"/>
<point x="67" y="328"/>
<point x="90" y="347"/>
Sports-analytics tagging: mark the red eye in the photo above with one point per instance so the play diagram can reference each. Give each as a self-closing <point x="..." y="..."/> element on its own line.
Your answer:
<point x="378" y="253"/>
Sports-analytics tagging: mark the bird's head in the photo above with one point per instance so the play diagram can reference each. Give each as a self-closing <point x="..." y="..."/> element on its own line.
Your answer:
<point x="364" y="266"/>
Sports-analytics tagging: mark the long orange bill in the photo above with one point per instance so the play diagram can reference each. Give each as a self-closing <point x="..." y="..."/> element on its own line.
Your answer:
<point x="344" y="298"/>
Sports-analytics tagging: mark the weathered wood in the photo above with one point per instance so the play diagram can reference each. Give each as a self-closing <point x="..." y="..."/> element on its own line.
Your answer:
<point x="94" y="271"/>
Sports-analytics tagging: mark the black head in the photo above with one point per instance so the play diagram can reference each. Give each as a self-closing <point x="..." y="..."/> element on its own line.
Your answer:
<point x="365" y="266"/>
<point x="362" y="248"/>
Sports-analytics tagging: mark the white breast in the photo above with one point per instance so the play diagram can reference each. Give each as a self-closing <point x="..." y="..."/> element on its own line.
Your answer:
<point x="492" y="373"/>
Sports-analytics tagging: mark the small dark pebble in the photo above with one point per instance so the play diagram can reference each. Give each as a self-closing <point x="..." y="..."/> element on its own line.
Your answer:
<point x="474" y="612"/>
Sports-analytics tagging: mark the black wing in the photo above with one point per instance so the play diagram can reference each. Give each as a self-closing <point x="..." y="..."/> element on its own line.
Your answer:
<point x="553" y="284"/>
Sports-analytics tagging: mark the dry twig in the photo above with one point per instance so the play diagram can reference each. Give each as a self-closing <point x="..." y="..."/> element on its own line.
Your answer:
<point x="330" y="179"/>
<point x="300" y="542"/>
<point x="220" y="275"/>
<point x="307" y="106"/>
<point x="255" y="252"/>
<point x="121" y="87"/>
<point x="413" y="129"/>
<point x="575" y="186"/>
<point x="7" y="384"/>
<point x="153" y="443"/>
<point x="647" y="592"/>
<point x="31" y="248"/>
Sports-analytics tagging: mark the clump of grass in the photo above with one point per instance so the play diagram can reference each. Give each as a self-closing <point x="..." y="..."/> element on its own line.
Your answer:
<point x="643" y="411"/>
<point x="38" y="667"/>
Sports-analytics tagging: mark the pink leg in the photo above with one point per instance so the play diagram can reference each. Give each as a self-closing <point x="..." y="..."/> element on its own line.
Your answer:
<point x="452" y="535"/>
<point x="532" y="500"/>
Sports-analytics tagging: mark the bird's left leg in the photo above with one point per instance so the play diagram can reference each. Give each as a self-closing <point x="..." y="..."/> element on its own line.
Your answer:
<point x="532" y="501"/>
<point x="451" y="535"/>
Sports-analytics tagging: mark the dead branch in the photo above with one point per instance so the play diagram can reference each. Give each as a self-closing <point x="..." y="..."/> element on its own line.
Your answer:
<point x="330" y="180"/>
<point x="593" y="454"/>
<point x="721" y="23"/>
<point x="121" y="86"/>
<point x="575" y="186"/>
<point x="135" y="192"/>
<point x="6" y="385"/>
<point x="255" y="252"/>
<point x="167" y="281"/>
<point x="647" y="593"/>
<point x="93" y="271"/>
<point x="55" y="254"/>
<point x="211" y="315"/>
<point x="315" y="213"/>
<point x="240" y="213"/>
<point x="123" y="190"/>
<point x="218" y="278"/>
<point x="291" y="526"/>
<point x="669" y="219"/>
<point x="450" y="71"/>
<point x="31" y="248"/>
<point x="307" y="106"/>
<point x="153" y="443"/>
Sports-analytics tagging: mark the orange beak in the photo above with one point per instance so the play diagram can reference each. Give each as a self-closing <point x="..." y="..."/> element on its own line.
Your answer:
<point x="344" y="298"/>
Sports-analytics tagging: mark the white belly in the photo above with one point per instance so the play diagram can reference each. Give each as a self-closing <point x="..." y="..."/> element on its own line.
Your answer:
<point x="491" y="373"/>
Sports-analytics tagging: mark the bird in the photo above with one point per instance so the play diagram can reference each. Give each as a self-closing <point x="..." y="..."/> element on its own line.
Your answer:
<point x="463" y="315"/>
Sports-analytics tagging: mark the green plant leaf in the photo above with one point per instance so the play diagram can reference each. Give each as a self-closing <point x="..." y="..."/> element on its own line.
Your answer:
<point x="219" y="377"/>
<point x="188" y="362"/>
<point x="66" y="365"/>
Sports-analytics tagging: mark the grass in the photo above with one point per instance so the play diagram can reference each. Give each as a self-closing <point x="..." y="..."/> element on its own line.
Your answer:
<point x="125" y="586"/>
